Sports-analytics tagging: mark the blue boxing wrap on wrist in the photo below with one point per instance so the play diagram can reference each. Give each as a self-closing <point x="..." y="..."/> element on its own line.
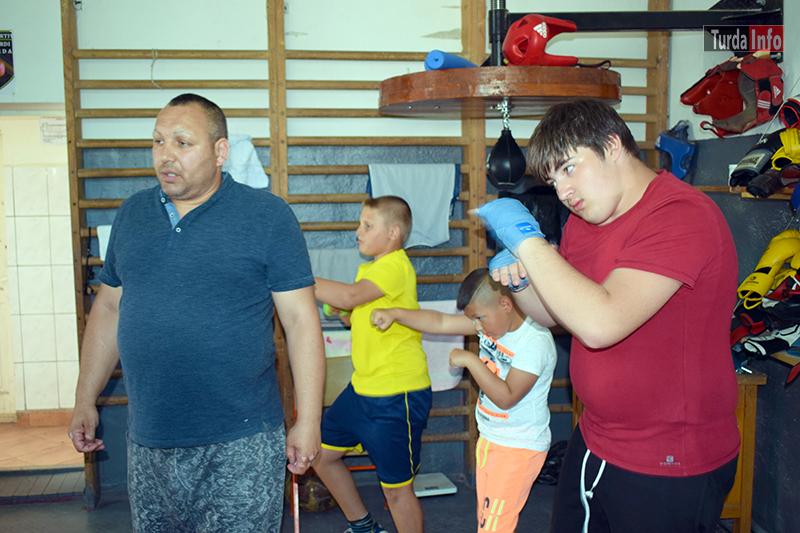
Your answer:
<point x="502" y="259"/>
<point x="510" y="222"/>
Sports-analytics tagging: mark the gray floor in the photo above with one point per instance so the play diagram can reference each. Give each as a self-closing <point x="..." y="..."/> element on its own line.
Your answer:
<point x="451" y="513"/>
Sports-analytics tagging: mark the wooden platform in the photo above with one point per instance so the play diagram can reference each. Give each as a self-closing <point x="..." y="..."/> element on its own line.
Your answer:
<point x="41" y="485"/>
<point x="475" y="92"/>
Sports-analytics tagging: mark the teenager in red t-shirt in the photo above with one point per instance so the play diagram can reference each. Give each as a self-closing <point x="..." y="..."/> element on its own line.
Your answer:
<point x="645" y="280"/>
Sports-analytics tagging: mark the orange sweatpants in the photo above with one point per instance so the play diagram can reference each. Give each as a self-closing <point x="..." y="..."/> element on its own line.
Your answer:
<point x="503" y="479"/>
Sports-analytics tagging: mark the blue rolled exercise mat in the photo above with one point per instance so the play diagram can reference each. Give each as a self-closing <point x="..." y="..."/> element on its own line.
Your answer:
<point x="436" y="60"/>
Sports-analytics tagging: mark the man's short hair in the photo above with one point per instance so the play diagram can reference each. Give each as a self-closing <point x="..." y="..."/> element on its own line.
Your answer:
<point x="393" y="210"/>
<point x="567" y="126"/>
<point x="479" y="286"/>
<point x="214" y="115"/>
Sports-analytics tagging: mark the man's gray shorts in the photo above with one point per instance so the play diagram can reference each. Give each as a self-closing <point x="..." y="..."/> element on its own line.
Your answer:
<point x="234" y="486"/>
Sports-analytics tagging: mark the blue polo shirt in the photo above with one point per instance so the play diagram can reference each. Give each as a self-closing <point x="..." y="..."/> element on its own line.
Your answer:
<point x="195" y="330"/>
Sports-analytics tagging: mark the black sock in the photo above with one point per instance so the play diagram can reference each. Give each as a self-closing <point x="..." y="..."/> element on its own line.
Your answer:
<point x="362" y="525"/>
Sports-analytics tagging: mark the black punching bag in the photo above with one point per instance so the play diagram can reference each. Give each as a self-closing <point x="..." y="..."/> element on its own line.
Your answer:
<point x="505" y="164"/>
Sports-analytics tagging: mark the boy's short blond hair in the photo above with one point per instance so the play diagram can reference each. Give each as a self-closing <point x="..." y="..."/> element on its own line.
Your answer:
<point x="393" y="210"/>
<point x="479" y="286"/>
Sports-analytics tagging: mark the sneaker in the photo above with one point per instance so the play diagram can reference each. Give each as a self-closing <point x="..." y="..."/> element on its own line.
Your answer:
<point x="375" y="529"/>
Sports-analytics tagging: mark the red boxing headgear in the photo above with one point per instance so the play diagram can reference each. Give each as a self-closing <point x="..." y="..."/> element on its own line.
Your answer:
<point x="738" y="94"/>
<point x="526" y="38"/>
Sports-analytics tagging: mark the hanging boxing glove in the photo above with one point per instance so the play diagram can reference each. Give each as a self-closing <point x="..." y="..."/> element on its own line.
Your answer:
<point x="756" y="160"/>
<point x="783" y="246"/>
<point x="789" y="152"/>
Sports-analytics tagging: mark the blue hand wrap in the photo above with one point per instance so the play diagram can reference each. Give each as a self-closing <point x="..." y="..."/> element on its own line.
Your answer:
<point x="503" y="259"/>
<point x="509" y="222"/>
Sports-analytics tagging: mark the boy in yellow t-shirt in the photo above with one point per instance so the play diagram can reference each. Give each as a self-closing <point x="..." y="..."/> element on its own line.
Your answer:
<point x="390" y="377"/>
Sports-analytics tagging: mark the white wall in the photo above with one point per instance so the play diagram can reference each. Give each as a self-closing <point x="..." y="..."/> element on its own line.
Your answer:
<point x="40" y="269"/>
<point x="38" y="234"/>
<point x="36" y="32"/>
<point x="414" y="25"/>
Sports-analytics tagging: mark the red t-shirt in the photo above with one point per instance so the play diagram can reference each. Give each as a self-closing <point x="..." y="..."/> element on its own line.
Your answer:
<point x="662" y="401"/>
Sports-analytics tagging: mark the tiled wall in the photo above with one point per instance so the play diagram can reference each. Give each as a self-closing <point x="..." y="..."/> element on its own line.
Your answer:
<point x="41" y="286"/>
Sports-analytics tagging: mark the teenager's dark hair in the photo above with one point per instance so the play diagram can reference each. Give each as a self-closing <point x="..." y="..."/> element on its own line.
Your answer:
<point x="477" y="283"/>
<point x="394" y="210"/>
<point x="586" y="123"/>
<point x="215" y="116"/>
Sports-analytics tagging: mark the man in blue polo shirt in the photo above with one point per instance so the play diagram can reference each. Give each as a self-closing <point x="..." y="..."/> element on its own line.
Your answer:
<point x="193" y="270"/>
